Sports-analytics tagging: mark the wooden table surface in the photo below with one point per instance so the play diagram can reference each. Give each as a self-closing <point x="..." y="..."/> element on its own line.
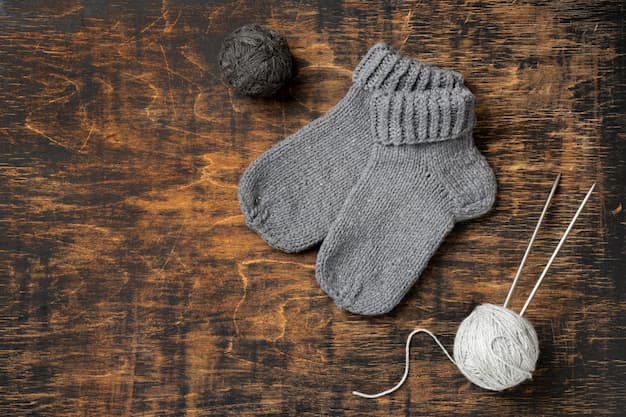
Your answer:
<point x="130" y="285"/>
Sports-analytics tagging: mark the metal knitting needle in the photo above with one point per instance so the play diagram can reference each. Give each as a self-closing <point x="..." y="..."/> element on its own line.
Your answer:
<point x="556" y="251"/>
<point x="532" y="240"/>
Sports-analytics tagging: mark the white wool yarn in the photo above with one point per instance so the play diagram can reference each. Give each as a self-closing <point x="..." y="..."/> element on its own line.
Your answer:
<point x="496" y="348"/>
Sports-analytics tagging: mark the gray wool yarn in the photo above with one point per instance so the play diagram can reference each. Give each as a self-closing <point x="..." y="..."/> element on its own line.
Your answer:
<point x="496" y="348"/>
<point x="256" y="61"/>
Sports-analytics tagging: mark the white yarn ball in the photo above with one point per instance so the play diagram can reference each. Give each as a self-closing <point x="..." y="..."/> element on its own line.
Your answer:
<point x="496" y="348"/>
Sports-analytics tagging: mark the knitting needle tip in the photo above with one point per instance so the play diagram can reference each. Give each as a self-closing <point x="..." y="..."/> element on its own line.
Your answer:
<point x="532" y="240"/>
<point x="558" y="247"/>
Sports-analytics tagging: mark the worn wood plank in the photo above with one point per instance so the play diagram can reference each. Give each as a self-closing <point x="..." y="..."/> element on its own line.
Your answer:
<point x="129" y="284"/>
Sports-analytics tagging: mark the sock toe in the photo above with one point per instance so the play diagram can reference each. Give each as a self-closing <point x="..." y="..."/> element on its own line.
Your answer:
<point x="370" y="301"/>
<point x="247" y="193"/>
<point x="266" y="220"/>
<point x="344" y="297"/>
<point x="359" y="291"/>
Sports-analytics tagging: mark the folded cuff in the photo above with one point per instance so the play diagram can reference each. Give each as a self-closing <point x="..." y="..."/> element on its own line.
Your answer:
<point x="383" y="67"/>
<point x="412" y="117"/>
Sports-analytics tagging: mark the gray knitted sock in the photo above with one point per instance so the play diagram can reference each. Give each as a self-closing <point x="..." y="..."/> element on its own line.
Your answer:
<point x="423" y="174"/>
<point x="291" y="194"/>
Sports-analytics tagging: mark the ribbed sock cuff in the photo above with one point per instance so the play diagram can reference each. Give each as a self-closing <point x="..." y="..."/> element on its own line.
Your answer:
<point x="383" y="67"/>
<point x="412" y="117"/>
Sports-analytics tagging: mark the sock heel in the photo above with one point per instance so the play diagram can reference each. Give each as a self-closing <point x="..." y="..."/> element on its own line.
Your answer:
<point x="479" y="190"/>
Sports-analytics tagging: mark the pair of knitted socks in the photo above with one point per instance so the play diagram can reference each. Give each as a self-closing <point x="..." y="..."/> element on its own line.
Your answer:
<point x="380" y="179"/>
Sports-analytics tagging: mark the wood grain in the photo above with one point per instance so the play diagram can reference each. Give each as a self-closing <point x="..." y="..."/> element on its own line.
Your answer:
<point x="130" y="286"/>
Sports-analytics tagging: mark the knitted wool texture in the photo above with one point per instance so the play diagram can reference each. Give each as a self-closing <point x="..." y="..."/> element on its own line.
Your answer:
<point x="293" y="192"/>
<point x="423" y="173"/>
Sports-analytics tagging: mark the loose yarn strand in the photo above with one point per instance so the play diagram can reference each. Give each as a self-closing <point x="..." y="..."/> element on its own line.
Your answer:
<point x="406" y="366"/>
<point x="532" y="240"/>
<point x="558" y="248"/>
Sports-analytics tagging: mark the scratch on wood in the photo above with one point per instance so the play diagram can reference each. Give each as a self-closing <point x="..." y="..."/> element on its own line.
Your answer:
<point x="178" y="234"/>
<point x="244" y="281"/>
<point x="27" y="126"/>
<point x="244" y="289"/>
<point x="617" y="210"/>
<point x="169" y="78"/>
<point x="86" y="139"/>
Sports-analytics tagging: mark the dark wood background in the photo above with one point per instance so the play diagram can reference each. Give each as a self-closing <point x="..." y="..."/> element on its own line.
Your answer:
<point x="130" y="286"/>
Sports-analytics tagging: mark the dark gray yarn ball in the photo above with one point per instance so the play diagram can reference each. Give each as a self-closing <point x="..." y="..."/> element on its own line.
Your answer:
<point x="255" y="60"/>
